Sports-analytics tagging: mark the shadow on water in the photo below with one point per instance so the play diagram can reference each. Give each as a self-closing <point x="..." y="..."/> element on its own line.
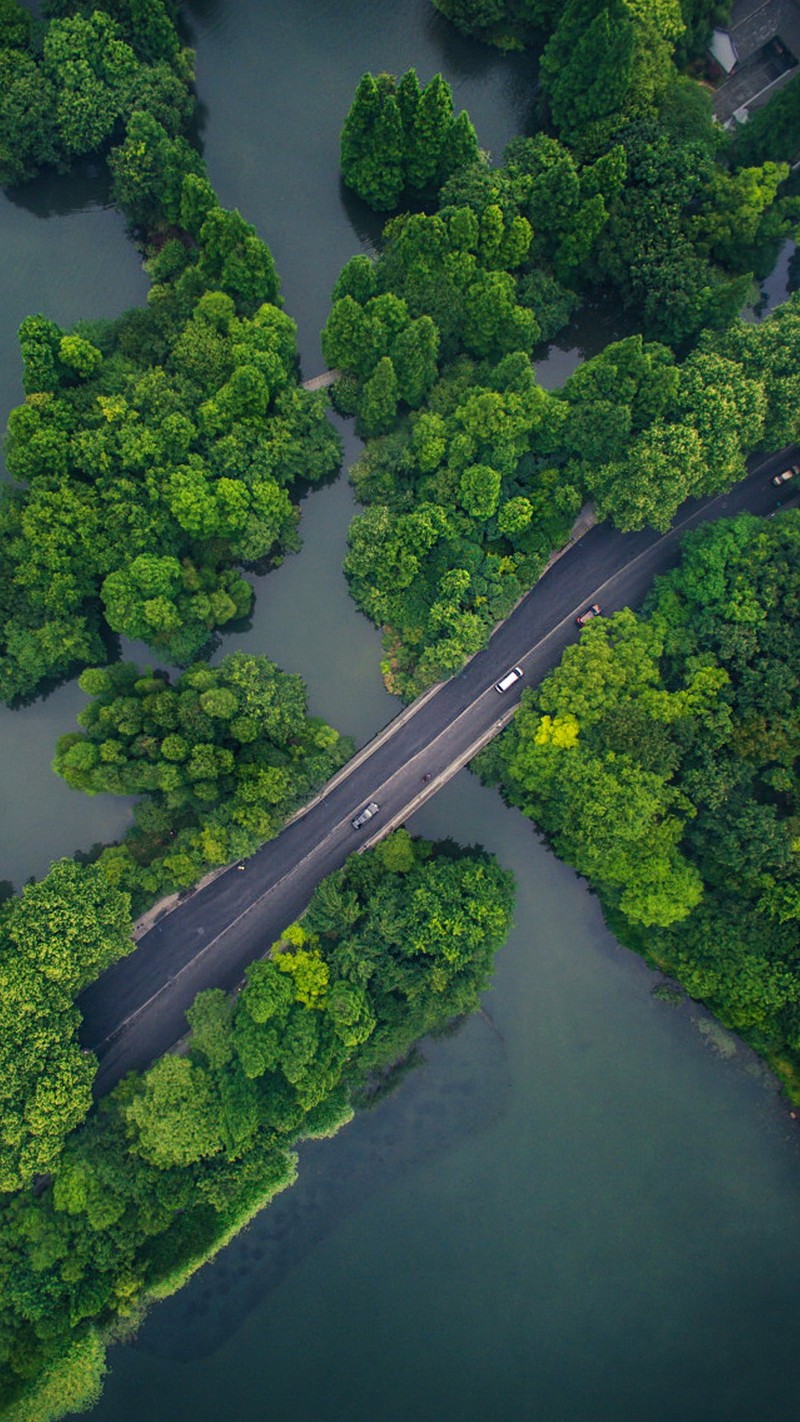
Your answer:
<point x="367" y="225"/>
<point x="782" y="280"/>
<point x="467" y="61"/>
<point x="205" y="11"/>
<point x="597" y="322"/>
<point x="85" y="187"/>
<point x="427" y="1113"/>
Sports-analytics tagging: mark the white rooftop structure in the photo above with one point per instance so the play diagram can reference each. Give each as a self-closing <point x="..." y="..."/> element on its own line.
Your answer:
<point x="724" y="50"/>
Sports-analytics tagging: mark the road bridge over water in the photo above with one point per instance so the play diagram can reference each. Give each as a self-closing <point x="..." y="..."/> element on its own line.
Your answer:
<point x="136" y="1010"/>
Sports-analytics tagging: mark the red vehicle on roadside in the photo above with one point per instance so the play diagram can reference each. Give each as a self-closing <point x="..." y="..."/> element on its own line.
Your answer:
<point x="593" y="611"/>
<point x="785" y="475"/>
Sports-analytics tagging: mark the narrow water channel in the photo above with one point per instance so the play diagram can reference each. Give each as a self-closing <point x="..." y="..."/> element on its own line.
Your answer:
<point x="65" y="254"/>
<point x="585" y="1204"/>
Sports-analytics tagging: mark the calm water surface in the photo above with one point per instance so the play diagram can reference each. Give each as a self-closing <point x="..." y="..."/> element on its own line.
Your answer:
<point x="586" y="1203"/>
<point x="276" y="81"/>
<point x="579" y="1207"/>
<point x="306" y="621"/>
<point x="65" y="254"/>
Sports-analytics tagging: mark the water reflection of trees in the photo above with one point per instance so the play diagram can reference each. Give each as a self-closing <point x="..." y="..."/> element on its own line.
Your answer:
<point x="86" y="186"/>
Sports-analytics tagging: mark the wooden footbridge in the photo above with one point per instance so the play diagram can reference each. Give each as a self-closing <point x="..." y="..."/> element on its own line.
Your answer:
<point x="321" y="382"/>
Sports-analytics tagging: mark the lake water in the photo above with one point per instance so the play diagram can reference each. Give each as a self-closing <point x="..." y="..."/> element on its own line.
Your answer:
<point x="586" y="1203"/>
<point x="65" y="254"/>
<point x="579" y="1207"/>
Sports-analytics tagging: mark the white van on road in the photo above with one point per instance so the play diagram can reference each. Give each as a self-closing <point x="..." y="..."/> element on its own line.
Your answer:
<point x="508" y="680"/>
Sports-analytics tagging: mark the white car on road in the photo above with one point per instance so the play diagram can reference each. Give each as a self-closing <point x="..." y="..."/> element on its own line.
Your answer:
<point x="365" y="815"/>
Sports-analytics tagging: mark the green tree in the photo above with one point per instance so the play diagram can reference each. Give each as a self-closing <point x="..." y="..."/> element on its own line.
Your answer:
<point x="733" y="211"/>
<point x="414" y="358"/>
<point x="377" y="406"/>
<point x="587" y="67"/>
<point x="372" y="143"/>
<point x="398" y="136"/>
<point x="432" y="123"/>
<point x="479" y="490"/>
<point x="663" y="466"/>
<point x="771" y="132"/>
<point x="40" y="342"/>
<point x="28" y="137"/>
<point x="233" y="258"/>
<point x="54" y="939"/>
<point x="93" y="72"/>
<point x="72" y="925"/>
<point x="149" y="170"/>
<point x="174" y="1118"/>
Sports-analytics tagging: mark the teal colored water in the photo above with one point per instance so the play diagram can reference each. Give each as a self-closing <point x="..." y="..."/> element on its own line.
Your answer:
<point x="583" y="1205"/>
<point x="586" y="1203"/>
<point x="65" y="254"/>
<point x="305" y="620"/>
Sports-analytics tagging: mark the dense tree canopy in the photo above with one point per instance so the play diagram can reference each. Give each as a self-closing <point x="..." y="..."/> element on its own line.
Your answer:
<point x="75" y="87"/>
<point x="222" y="757"/>
<point x="512" y="23"/>
<point x="54" y="939"/>
<point x="400" y="139"/>
<point x="683" y="231"/>
<point x="470" y="492"/>
<point x="154" y="453"/>
<point x="686" y="233"/>
<point x="440" y="288"/>
<point x="394" y="945"/>
<point x="471" y="473"/>
<point x="661" y="758"/>
<point x="153" y="456"/>
<point x="772" y="132"/>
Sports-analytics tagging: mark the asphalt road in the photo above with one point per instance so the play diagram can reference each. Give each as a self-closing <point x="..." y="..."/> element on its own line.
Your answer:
<point x="136" y="1010"/>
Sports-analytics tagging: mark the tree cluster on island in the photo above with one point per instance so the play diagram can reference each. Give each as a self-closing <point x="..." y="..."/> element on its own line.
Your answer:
<point x="220" y="759"/>
<point x="156" y="453"/>
<point x="472" y="473"/>
<point x="73" y="85"/>
<point x="402" y="140"/>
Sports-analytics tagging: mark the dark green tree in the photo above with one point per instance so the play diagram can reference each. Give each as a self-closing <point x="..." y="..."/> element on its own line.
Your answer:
<point x="148" y="171"/>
